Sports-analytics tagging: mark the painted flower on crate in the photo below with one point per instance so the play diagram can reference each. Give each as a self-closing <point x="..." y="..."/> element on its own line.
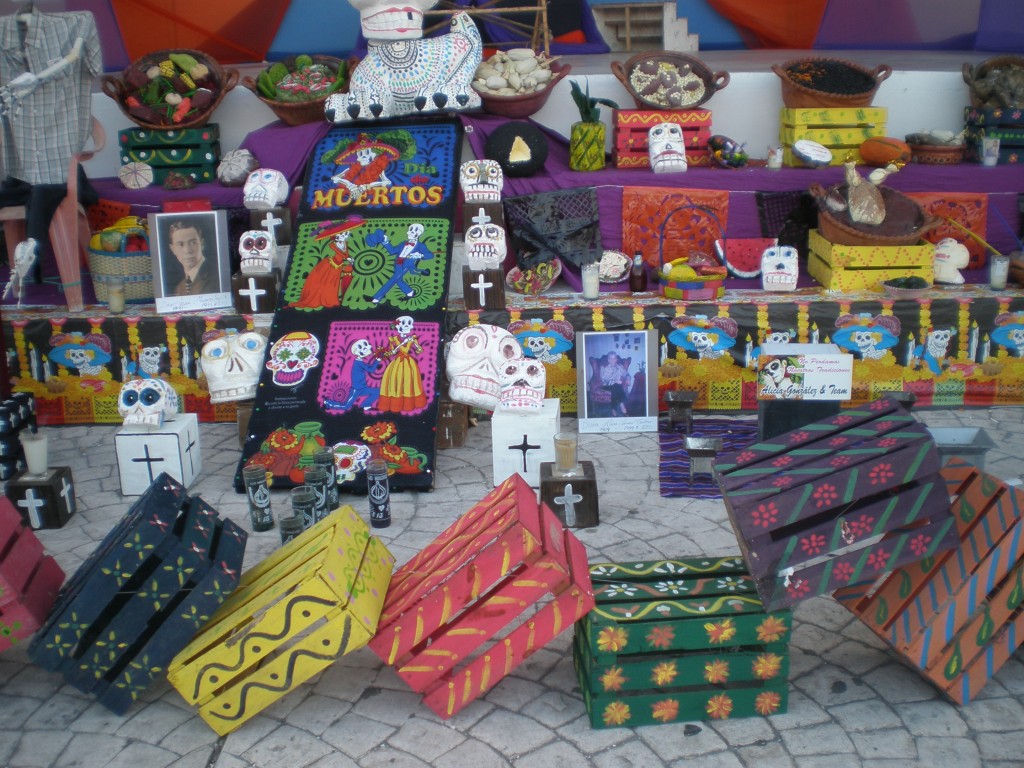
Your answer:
<point x="612" y="639"/>
<point x="616" y="713"/>
<point x="767" y="702"/>
<point x="729" y="583"/>
<point x="673" y="587"/>
<point x="888" y="442"/>
<point x="613" y="679"/>
<point x="919" y="544"/>
<point x="861" y="526"/>
<point x="799" y="437"/>
<point x="825" y="494"/>
<point x="840" y="461"/>
<point x="745" y="456"/>
<point x="627" y="590"/>
<point x="837" y="442"/>
<point x="881" y="474"/>
<point x="765" y="515"/>
<point x="772" y="629"/>
<point x="661" y="636"/>
<point x="716" y="671"/>
<point x="719" y="707"/>
<point x="664" y="673"/>
<point x="767" y="665"/>
<point x="782" y="461"/>
<point x="720" y="631"/>
<point x="842" y="572"/>
<point x="783" y="480"/>
<point x="878" y="559"/>
<point x="813" y="544"/>
<point x="798" y="588"/>
<point x="665" y="711"/>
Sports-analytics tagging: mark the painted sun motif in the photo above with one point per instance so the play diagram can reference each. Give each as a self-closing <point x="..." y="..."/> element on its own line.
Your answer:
<point x="716" y="671"/>
<point x="767" y="702"/>
<point x="613" y="679"/>
<point x="616" y="713"/>
<point x="771" y="630"/>
<point x="661" y="637"/>
<point x="767" y="665"/>
<point x="612" y="639"/>
<point x="721" y="631"/>
<point x="665" y="711"/>
<point x="719" y="707"/>
<point x="664" y="673"/>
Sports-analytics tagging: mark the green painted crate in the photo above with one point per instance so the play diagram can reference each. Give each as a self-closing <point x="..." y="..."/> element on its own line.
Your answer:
<point x="679" y="640"/>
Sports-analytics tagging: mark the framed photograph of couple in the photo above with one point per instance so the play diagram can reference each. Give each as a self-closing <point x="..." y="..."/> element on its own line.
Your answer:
<point x="617" y="381"/>
<point x="191" y="264"/>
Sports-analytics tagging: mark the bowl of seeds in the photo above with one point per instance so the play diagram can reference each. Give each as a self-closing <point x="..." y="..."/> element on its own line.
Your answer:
<point x="668" y="80"/>
<point x="820" y="82"/>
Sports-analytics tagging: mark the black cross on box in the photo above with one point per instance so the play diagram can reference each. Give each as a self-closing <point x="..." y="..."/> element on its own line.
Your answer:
<point x="522" y="438"/>
<point x="572" y="499"/>
<point x="44" y="501"/>
<point x="142" y="454"/>
<point x="254" y="294"/>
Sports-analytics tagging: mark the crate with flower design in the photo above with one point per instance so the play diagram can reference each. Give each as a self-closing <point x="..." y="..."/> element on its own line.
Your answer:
<point x="676" y="640"/>
<point x="837" y="501"/>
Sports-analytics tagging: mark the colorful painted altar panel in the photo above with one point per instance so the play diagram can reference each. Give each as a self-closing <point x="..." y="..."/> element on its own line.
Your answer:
<point x="356" y="341"/>
<point x="951" y="348"/>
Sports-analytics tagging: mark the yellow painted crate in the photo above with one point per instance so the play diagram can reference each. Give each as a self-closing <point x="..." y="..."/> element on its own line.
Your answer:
<point x="315" y="599"/>
<point x="865" y="267"/>
<point x="841" y="130"/>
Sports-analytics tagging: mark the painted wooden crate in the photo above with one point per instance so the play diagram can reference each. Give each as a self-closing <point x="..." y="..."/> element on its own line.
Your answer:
<point x="315" y="599"/>
<point x="140" y="597"/>
<point x="194" y="152"/>
<point x="959" y="616"/>
<point x="865" y="267"/>
<point x="676" y="640"/>
<point x="29" y="578"/>
<point x="1007" y="125"/>
<point x="496" y="586"/>
<point x="842" y="130"/>
<point x="632" y="125"/>
<point x="837" y="501"/>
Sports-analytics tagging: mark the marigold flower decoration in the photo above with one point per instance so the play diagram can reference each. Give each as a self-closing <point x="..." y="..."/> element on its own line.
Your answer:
<point x="612" y="639"/>
<point x="616" y="713"/>
<point x="721" y="631"/>
<point x="767" y="702"/>
<point x="767" y="665"/>
<point x="664" y="673"/>
<point x="772" y="629"/>
<point x="661" y="637"/>
<point x="665" y="711"/>
<point x="716" y="671"/>
<point x="613" y="679"/>
<point x="719" y="707"/>
<point x="380" y="432"/>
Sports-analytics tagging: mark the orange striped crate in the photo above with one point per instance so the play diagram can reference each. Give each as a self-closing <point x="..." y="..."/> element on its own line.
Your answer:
<point x="632" y="125"/>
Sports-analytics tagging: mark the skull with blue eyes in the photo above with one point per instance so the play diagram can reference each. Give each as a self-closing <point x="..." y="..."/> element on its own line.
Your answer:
<point x="147" y="402"/>
<point x="232" y="365"/>
<point x="264" y="189"/>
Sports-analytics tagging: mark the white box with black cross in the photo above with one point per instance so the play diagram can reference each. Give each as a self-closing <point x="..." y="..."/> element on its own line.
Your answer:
<point x="522" y="438"/>
<point x="143" y="453"/>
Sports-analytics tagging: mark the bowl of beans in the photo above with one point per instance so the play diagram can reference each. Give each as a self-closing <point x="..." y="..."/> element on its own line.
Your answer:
<point x="822" y="82"/>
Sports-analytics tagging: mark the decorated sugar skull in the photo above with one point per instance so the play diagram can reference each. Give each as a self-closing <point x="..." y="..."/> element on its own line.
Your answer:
<point x="522" y="384"/>
<point x="264" y="189"/>
<point x="779" y="268"/>
<point x="147" y="402"/>
<point x="486" y="245"/>
<point x="481" y="181"/>
<point x="292" y="357"/>
<point x="666" y="148"/>
<point x="390" y="21"/>
<point x="256" y="248"/>
<point x="232" y="363"/>
<point x="950" y="257"/>
<point x="475" y="356"/>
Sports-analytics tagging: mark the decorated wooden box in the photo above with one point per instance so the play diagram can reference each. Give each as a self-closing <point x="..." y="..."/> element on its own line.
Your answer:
<point x="29" y="579"/>
<point x="842" y="130"/>
<point x="315" y="599"/>
<point x="1007" y="125"/>
<point x="837" y="501"/>
<point x="46" y="500"/>
<point x="522" y="439"/>
<point x="143" y="453"/>
<point x="496" y="586"/>
<point x="959" y="616"/>
<point x="866" y="267"/>
<point x="632" y="125"/>
<point x="140" y="597"/>
<point x="678" y="640"/>
<point x="194" y="152"/>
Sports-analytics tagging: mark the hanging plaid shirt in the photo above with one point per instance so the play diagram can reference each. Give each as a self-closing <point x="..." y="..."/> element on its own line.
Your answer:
<point x="44" y="128"/>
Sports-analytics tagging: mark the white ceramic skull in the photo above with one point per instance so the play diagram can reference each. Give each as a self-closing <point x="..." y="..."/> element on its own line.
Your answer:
<point x="475" y="356"/>
<point x="666" y="148"/>
<point x="388" y="21"/>
<point x="779" y="268"/>
<point x="486" y="246"/>
<point x="265" y="189"/>
<point x="232" y="365"/>
<point x="257" y="249"/>
<point x="950" y="257"/>
<point x="522" y="384"/>
<point x="292" y="357"/>
<point x="481" y="181"/>
<point x="147" y="402"/>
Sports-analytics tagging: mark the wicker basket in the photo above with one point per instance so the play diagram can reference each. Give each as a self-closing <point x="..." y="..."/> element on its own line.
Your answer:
<point x="981" y="71"/>
<point x="134" y="267"/>
<point x="797" y="96"/>
<point x="117" y="88"/>
<point x="301" y="112"/>
<point x="713" y="81"/>
<point x="838" y="229"/>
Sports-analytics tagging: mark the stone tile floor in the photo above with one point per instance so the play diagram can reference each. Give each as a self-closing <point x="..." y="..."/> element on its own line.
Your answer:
<point x="852" y="703"/>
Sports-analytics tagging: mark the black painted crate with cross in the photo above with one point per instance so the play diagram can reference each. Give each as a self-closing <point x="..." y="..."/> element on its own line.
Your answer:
<point x="141" y="596"/>
<point x="837" y="501"/>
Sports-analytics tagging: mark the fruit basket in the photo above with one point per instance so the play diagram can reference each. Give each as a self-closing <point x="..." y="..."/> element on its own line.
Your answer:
<point x="148" y="91"/>
<point x="525" y="104"/>
<point x="822" y="82"/>
<point x="905" y="221"/>
<point x="668" y="80"/>
<point x="310" y="89"/>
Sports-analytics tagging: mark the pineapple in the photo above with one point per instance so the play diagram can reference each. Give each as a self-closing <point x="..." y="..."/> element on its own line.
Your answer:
<point x="586" y="139"/>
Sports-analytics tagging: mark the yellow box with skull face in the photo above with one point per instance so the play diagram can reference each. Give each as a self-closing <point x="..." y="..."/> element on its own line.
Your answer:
<point x="866" y="267"/>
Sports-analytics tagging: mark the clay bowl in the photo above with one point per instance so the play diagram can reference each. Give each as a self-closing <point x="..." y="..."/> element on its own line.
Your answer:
<point x="640" y="68"/>
<point x="905" y="218"/>
<point x="300" y="112"/>
<point x="937" y="154"/>
<point x="798" y="95"/>
<point x="982" y="71"/>
<point x="904" y="293"/>
<point x="532" y="282"/>
<point x="525" y="104"/>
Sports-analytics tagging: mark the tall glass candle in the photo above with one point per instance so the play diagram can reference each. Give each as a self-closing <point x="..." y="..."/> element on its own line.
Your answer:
<point x="379" y="493"/>
<point x="591" y="280"/>
<point x="260" y="514"/>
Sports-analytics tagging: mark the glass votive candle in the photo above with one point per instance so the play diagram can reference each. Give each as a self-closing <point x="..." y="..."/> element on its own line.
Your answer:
<point x="304" y="504"/>
<point x="115" y="294"/>
<point x="256" y="490"/>
<point x="591" y="274"/>
<point x="566" y="464"/>
<point x="998" y="271"/>
<point x="775" y="155"/>
<point x="35" y="445"/>
<point x="325" y="460"/>
<point x="316" y="478"/>
<point x="290" y="525"/>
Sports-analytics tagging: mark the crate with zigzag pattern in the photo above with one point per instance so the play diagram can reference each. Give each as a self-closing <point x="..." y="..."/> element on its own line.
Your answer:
<point x="676" y="640"/>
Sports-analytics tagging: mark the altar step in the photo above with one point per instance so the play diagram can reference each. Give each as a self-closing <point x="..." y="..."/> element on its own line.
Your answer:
<point x="643" y="26"/>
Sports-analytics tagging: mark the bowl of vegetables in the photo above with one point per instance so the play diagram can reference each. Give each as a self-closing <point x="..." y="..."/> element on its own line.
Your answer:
<point x="911" y="287"/>
<point x="295" y="89"/>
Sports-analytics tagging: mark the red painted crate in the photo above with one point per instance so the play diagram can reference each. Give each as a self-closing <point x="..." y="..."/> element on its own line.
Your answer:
<point x="480" y="578"/>
<point x="959" y="616"/>
<point x="837" y="501"/>
<point x="29" y="579"/>
<point x="632" y="125"/>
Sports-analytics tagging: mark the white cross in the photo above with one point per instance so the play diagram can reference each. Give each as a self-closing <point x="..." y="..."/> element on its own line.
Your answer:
<point x="481" y="217"/>
<point x="481" y="288"/>
<point x="270" y="222"/>
<point x="252" y="293"/>
<point x="569" y="501"/>
<point x="67" y="493"/>
<point x="32" y="504"/>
